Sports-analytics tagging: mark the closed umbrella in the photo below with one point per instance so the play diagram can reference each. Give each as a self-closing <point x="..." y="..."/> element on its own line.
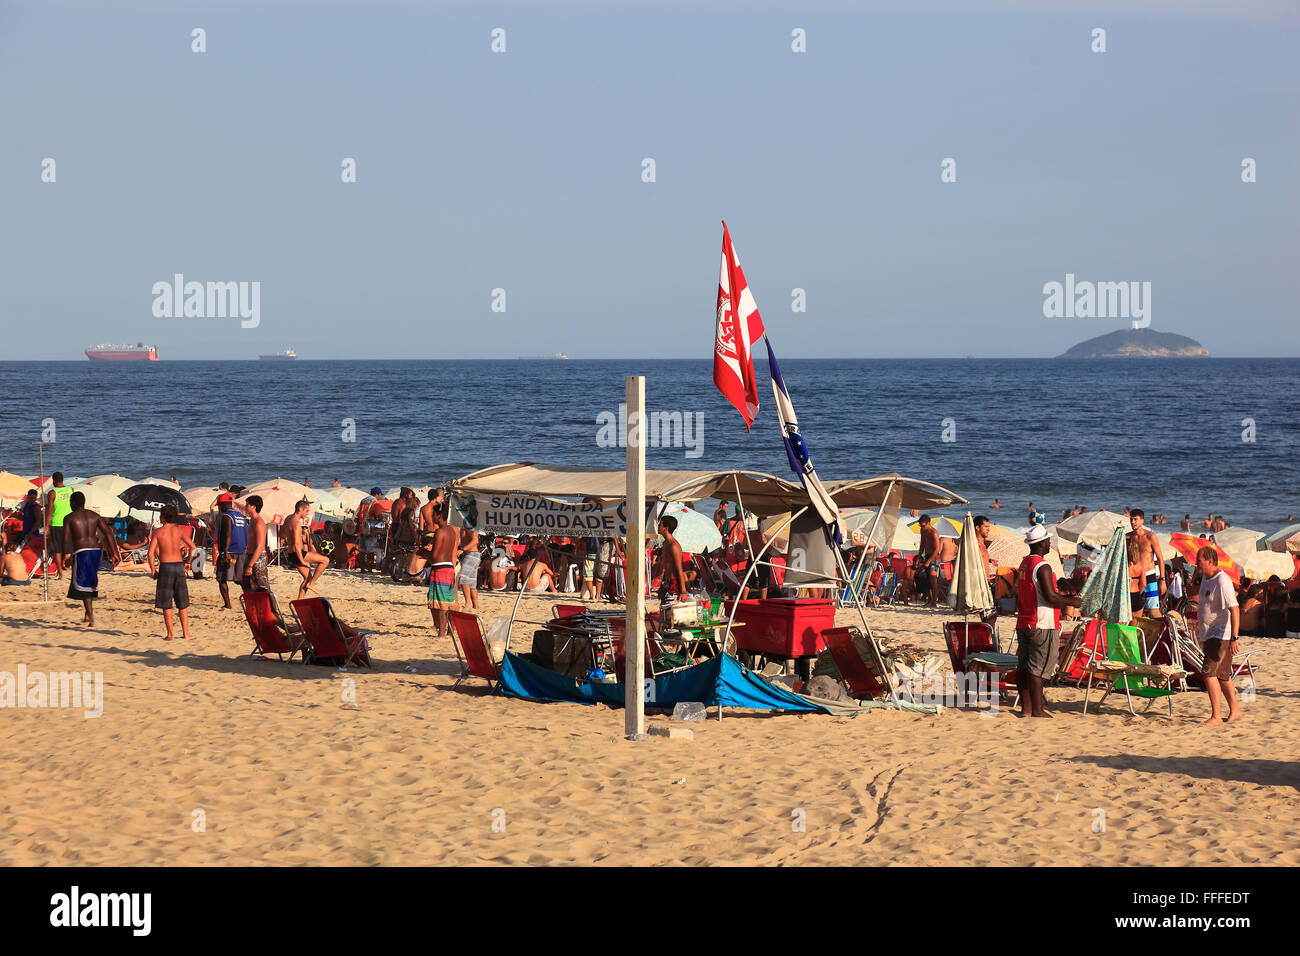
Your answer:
<point x="1105" y="594"/>
<point x="970" y="592"/>
<point x="1091" y="527"/>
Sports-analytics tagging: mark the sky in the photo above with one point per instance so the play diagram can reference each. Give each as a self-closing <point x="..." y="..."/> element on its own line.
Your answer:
<point x="523" y="171"/>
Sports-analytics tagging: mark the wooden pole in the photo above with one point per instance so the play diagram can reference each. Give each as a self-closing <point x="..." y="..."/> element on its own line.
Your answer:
<point x="634" y="554"/>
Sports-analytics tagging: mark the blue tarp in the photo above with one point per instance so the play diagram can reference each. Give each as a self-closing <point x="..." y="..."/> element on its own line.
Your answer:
<point x="719" y="681"/>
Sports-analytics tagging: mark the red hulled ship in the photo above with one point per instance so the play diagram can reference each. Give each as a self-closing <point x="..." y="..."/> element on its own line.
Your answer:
<point x="123" y="353"/>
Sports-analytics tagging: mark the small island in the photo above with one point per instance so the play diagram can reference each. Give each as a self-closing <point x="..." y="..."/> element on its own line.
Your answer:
<point x="1137" y="343"/>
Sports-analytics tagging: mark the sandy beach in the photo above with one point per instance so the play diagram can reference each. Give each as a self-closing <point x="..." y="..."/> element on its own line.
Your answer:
<point x="203" y="756"/>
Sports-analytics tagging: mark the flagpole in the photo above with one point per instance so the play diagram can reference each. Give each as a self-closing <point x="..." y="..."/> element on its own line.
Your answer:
<point x="634" y="558"/>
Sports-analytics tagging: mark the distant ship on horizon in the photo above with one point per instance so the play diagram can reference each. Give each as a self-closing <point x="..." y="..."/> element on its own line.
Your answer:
<point x="286" y="355"/>
<point x="123" y="353"/>
<point x="558" y="356"/>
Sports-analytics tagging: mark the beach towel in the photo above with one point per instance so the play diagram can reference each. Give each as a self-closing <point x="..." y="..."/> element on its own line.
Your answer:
<point x="85" y="575"/>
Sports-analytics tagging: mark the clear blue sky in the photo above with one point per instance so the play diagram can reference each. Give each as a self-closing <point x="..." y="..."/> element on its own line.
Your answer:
<point x="523" y="171"/>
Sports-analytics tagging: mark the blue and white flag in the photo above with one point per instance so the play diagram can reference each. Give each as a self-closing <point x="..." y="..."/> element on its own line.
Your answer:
<point x="797" y="451"/>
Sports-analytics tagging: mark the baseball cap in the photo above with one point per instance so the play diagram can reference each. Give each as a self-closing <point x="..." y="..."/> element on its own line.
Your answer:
<point x="225" y="497"/>
<point x="376" y="491"/>
<point x="1035" y="534"/>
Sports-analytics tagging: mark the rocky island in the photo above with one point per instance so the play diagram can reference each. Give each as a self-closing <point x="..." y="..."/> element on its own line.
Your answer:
<point x="1137" y="343"/>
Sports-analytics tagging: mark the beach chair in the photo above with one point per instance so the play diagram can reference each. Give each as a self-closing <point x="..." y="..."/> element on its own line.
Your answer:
<point x="470" y="642"/>
<point x="1087" y="643"/>
<point x="560" y="611"/>
<point x="972" y="643"/>
<point x="1124" y="668"/>
<point x="862" y="677"/>
<point x="269" y="636"/>
<point x="319" y="625"/>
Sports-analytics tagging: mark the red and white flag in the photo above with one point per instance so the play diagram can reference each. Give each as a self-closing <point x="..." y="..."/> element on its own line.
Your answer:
<point x="740" y="328"/>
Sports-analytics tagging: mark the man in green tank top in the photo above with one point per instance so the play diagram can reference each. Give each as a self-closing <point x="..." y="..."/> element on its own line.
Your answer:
<point x="58" y="505"/>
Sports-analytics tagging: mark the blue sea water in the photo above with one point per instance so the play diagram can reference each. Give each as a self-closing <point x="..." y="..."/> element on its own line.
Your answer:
<point x="1163" y="435"/>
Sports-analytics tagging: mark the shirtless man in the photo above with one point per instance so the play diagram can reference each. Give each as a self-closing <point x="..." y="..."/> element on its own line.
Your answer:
<point x="467" y="580"/>
<point x="426" y="513"/>
<point x="255" y="573"/>
<point x="84" y="543"/>
<point x="538" y="574"/>
<point x="672" y="584"/>
<point x="309" y="563"/>
<point x="947" y="554"/>
<point x="442" y="571"/>
<point x="927" y="559"/>
<point x="170" y="546"/>
<point x="1146" y="568"/>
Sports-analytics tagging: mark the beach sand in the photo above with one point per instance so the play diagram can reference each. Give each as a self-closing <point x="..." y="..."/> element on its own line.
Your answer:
<point x="203" y="756"/>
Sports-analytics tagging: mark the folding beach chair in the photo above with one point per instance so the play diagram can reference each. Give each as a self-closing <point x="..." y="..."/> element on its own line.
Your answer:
<point x="1124" y="667"/>
<point x="470" y="642"/>
<point x="269" y="635"/>
<point x="1087" y="643"/>
<point x="972" y="643"/>
<point x="863" y="677"/>
<point x="560" y="611"/>
<point x="319" y="625"/>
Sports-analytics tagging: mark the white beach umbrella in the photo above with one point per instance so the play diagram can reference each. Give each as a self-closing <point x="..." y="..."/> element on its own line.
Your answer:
<point x="328" y="503"/>
<point x="1260" y="565"/>
<point x="1092" y="527"/>
<point x="165" y="482"/>
<point x="350" y="498"/>
<point x="1239" y="543"/>
<point x="101" y="502"/>
<point x="113" y="484"/>
<point x="202" y="500"/>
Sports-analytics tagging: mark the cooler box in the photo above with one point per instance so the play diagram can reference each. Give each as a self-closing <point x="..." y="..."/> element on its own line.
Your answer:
<point x="783" y="627"/>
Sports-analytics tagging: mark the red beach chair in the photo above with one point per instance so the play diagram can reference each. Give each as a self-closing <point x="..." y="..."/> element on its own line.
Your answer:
<point x="863" y="679"/>
<point x="560" y="611"/>
<point x="472" y="648"/>
<point x="322" y="629"/>
<point x="968" y="639"/>
<point x="269" y="637"/>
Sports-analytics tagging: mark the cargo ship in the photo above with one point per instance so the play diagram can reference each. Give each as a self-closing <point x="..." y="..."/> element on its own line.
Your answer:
<point x="279" y="356"/>
<point x="123" y="353"/>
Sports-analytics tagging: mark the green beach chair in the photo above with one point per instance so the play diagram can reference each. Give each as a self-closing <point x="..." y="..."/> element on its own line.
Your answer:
<point x="1124" y="666"/>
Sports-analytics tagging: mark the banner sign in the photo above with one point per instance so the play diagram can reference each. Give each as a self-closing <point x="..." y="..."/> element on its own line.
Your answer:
<point x="535" y="514"/>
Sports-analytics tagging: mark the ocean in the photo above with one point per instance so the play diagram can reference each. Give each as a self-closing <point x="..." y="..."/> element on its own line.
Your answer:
<point x="1172" y="436"/>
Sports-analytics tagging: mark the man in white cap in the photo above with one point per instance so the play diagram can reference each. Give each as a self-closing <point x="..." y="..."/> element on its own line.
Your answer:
<point x="1038" y="622"/>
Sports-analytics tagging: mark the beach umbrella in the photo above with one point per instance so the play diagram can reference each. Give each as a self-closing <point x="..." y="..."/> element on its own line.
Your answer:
<point x="946" y="527"/>
<point x="164" y="482"/>
<point x="1261" y="565"/>
<point x="350" y="497"/>
<point x="281" y="484"/>
<point x="1240" y="544"/>
<point x="769" y="525"/>
<point x="113" y="484"/>
<point x="277" y="502"/>
<point x="1009" y="552"/>
<point x="202" y="500"/>
<point x="1105" y="594"/>
<point x="328" y="503"/>
<point x="998" y="531"/>
<point x="421" y="493"/>
<point x="1278" y="540"/>
<point x="147" y="496"/>
<point x="1189" y="544"/>
<point x="695" y="532"/>
<point x="13" y="487"/>
<point x="970" y="592"/>
<point x="101" y="502"/>
<point x="904" y="539"/>
<point x="1091" y="527"/>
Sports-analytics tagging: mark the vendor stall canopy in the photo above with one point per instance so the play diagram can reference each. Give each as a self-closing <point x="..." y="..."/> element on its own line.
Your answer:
<point x="759" y="493"/>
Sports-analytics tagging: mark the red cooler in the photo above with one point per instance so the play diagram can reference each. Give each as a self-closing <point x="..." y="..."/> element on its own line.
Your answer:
<point x="783" y="627"/>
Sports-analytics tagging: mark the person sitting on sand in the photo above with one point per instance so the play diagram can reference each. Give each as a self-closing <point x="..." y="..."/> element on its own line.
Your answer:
<point x="537" y="574"/>
<point x="170" y="546"/>
<point x="1038" y="622"/>
<point x="1252" y="610"/>
<point x="1218" y="623"/>
<point x="310" y="564"/>
<point x="14" y="571"/>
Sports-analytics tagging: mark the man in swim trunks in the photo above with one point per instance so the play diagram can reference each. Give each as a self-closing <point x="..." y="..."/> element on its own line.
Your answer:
<point x="232" y="545"/>
<point x="442" y="571"/>
<point x="14" y="570"/>
<point x="672" y="581"/>
<point x="255" y="574"/>
<point x="927" y="560"/>
<point x="84" y="543"/>
<point x="469" y="561"/>
<point x="1146" y="568"/>
<point x="57" y="506"/>
<point x="170" y="546"/>
<point x="308" y="562"/>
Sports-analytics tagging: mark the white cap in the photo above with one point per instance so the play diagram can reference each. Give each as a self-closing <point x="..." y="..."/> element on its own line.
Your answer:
<point x="1035" y="534"/>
